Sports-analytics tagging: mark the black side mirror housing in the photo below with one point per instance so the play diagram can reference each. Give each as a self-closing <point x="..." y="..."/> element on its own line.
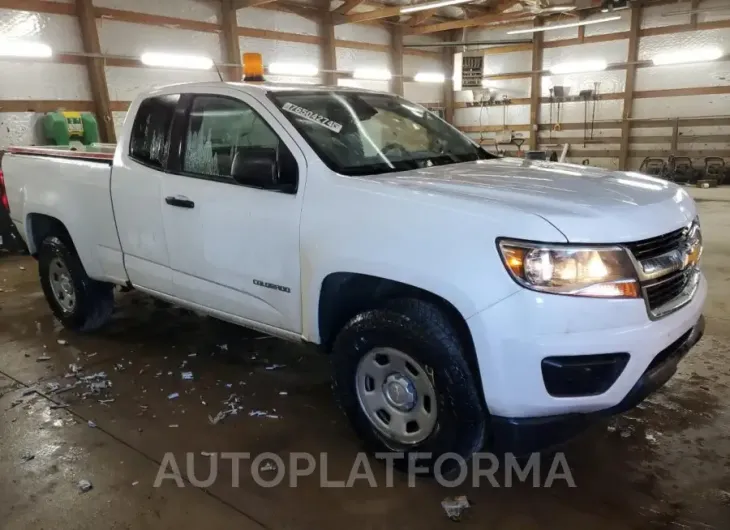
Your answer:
<point x="256" y="166"/>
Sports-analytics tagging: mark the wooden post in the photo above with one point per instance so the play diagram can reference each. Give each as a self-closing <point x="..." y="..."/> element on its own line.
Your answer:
<point x="632" y="58"/>
<point x="675" y="137"/>
<point x="396" y="60"/>
<point x="229" y="33"/>
<point x="95" y="67"/>
<point x="536" y="85"/>
<point x="448" y="65"/>
<point x="693" y="17"/>
<point x="328" y="46"/>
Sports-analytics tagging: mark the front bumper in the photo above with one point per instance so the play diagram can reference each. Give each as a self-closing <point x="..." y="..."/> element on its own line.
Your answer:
<point x="514" y="336"/>
<point x="526" y="435"/>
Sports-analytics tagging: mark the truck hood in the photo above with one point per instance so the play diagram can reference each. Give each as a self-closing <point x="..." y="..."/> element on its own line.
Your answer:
<point x="587" y="204"/>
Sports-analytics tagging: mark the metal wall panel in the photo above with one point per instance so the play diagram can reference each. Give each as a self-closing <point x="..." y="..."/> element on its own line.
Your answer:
<point x="37" y="80"/>
<point x="614" y="26"/>
<point x="493" y="115"/>
<point x="683" y="76"/>
<point x="650" y="46"/>
<point x="682" y="106"/>
<point x="611" y="52"/>
<point x="125" y="38"/>
<point x="575" y="112"/>
<point x="19" y="128"/>
<point x="655" y="17"/>
<point x="60" y="32"/>
<point x="188" y="9"/>
<point x="507" y="63"/>
<point x="126" y="83"/>
<point x="348" y="59"/>
<point x="363" y="33"/>
<point x="252" y="17"/>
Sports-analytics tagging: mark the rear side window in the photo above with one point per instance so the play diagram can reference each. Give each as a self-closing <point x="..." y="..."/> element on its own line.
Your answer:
<point x="150" y="142"/>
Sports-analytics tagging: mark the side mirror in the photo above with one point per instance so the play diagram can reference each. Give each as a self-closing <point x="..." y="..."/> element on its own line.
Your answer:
<point x="256" y="166"/>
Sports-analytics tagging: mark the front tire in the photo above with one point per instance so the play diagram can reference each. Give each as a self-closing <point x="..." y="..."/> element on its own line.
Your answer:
<point x="402" y="379"/>
<point x="80" y="303"/>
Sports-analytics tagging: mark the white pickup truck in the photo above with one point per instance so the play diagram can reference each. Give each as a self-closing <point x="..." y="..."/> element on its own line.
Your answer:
<point x="465" y="300"/>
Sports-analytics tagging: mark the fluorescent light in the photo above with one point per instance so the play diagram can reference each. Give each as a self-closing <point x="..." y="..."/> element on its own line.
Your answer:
<point x="561" y="26"/>
<point x="697" y="55"/>
<point x="296" y="69"/>
<point x="429" y="77"/>
<point x="172" y="60"/>
<point x="432" y="5"/>
<point x="576" y="67"/>
<point x="18" y="48"/>
<point x="372" y="74"/>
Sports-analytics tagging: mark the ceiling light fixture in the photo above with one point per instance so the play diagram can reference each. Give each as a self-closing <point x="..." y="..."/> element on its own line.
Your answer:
<point x="295" y="69"/>
<point x="429" y="77"/>
<point x="372" y="74"/>
<point x="18" y="48"/>
<point x="432" y="5"/>
<point x="172" y="60"/>
<point x="697" y="55"/>
<point x="562" y="26"/>
<point x="577" y="67"/>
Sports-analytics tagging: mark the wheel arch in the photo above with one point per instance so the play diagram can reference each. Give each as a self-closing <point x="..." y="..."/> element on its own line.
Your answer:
<point x="39" y="226"/>
<point x="343" y="295"/>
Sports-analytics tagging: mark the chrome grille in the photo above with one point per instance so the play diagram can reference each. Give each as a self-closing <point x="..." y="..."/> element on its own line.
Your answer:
<point x="668" y="278"/>
<point x="660" y="292"/>
<point x="656" y="246"/>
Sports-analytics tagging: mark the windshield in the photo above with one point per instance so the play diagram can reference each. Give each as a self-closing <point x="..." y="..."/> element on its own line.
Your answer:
<point x="359" y="133"/>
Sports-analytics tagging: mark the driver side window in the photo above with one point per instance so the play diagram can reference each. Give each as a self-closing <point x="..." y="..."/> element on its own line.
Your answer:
<point x="220" y="129"/>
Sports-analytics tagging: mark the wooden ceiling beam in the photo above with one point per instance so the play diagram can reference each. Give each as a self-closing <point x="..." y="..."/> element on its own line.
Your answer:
<point x="240" y="4"/>
<point x="348" y="6"/>
<point x="421" y="16"/>
<point x="495" y="15"/>
<point x="375" y="14"/>
<point x="483" y="20"/>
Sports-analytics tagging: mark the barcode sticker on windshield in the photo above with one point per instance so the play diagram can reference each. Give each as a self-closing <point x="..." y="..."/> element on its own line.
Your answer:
<point x="313" y="117"/>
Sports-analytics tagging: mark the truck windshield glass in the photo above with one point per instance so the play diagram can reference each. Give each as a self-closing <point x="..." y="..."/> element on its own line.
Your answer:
<point x="365" y="134"/>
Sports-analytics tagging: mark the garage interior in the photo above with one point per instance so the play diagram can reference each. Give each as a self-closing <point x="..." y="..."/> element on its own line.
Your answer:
<point x="638" y="86"/>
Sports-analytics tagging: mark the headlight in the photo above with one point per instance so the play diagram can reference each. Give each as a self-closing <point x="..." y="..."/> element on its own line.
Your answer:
<point x="604" y="272"/>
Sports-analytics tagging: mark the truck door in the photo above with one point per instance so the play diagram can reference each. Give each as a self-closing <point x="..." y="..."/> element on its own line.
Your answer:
<point x="137" y="181"/>
<point x="234" y="248"/>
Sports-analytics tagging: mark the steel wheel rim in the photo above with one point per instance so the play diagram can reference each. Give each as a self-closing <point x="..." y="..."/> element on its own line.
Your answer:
<point x="397" y="395"/>
<point x="61" y="284"/>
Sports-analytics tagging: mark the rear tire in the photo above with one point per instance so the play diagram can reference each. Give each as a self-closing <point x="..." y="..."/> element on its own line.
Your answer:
<point x="80" y="303"/>
<point x="420" y="331"/>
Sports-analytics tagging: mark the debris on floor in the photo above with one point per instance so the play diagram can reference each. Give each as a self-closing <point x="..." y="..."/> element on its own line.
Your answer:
<point x="92" y="424"/>
<point x="233" y="406"/>
<point x="27" y="457"/>
<point x="84" y="486"/>
<point x="275" y="366"/>
<point x="135" y="483"/>
<point x="52" y="387"/>
<point x="43" y="358"/>
<point x="174" y="426"/>
<point x="455" y="506"/>
<point x="187" y="376"/>
<point x="264" y="414"/>
<point x="62" y="342"/>
<point x="174" y="395"/>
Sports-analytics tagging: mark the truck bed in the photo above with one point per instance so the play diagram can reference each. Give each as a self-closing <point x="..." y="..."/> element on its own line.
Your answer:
<point x="73" y="187"/>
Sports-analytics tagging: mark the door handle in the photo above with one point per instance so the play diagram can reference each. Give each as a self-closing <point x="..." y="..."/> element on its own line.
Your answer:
<point x="180" y="202"/>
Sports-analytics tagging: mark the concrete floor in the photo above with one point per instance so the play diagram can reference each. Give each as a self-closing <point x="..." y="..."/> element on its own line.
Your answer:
<point x="664" y="465"/>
